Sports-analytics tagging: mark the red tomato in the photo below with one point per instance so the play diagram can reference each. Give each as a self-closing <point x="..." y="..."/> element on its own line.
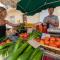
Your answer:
<point x="52" y="39"/>
<point x="42" y="42"/>
<point x="8" y="41"/>
<point x="57" y="44"/>
<point x="46" y="42"/>
<point x="58" y="39"/>
<point x="47" y="38"/>
<point x="24" y="35"/>
<point x="2" y="43"/>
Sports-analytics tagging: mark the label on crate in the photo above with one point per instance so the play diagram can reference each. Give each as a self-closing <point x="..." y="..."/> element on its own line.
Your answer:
<point x="34" y="43"/>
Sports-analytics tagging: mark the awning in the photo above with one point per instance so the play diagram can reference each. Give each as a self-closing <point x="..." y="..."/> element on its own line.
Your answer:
<point x="30" y="7"/>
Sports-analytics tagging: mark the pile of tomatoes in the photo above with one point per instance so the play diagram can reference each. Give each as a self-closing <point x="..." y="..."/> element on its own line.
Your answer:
<point x="24" y="35"/>
<point x="50" y="41"/>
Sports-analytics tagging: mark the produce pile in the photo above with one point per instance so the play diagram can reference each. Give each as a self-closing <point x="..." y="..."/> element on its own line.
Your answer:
<point x="49" y="41"/>
<point x="21" y="50"/>
<point x="41" y="27"/>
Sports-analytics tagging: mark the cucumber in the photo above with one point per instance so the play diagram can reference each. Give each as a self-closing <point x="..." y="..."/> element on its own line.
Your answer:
<point x="10" y="49"/>
<point x="34" y="53"/>
<point x="26" y="53"/>
<point x="4" y="49"/>
<point x="5" y="46"/>
<point x="15" y="55"/>
<point x="38" y="56"/>
<point x="1" y="47"/>
<point x="4" y="52"/>
<point x="18" y="43"/>
<point x="34" y="34"/>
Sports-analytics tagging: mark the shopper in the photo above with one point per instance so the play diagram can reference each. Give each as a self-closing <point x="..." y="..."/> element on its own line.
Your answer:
<point x="3" y="22"/>
<point x="51" y="21"/>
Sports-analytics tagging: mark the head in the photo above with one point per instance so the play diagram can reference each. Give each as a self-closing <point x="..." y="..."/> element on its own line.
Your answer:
<point x="50" y="10"/>
<point x="3" y="13"/>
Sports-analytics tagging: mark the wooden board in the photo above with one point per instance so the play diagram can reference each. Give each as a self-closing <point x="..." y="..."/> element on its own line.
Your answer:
<point x="50" y="47"/>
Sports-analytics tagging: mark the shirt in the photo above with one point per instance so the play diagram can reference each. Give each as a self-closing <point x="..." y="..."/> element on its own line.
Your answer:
<point x="54" y="18"/>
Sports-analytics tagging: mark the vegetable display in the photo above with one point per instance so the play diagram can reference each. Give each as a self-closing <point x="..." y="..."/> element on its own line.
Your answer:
<point x="21" y="50"/>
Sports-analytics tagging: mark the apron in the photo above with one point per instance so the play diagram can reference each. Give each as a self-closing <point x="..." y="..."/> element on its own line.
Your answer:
<point x="2" y="33"/>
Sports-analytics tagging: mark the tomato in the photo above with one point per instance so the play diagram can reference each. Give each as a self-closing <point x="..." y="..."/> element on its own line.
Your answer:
<point x="52" y="44"/>
<point x="58" y="39"/>
<point x="46" y="42"/>
<point x="57" y="43"/>
<point x="52" y="39"/>
<point x="47" y="38"/>
<point x="21" y="35"/>
<point x="24" y="35"/>
<point x="2" y="43"/>
<point x="42" y="42"/>
<point x="8" y="41"/>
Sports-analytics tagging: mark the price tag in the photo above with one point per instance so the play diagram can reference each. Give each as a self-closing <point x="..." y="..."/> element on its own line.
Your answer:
<point x="34" y="43"/>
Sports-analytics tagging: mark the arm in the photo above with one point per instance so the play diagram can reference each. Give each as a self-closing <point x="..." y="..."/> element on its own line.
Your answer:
<point x="54" y="22"/>
<point x="45" y="21"/>
<point x="11" y="24"/>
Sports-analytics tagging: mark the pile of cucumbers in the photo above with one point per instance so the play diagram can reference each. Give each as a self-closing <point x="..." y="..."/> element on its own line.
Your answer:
<point x="21" y="50"/>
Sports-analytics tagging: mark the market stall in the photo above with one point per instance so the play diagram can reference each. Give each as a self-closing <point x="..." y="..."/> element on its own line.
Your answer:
<point x="30" y="10"/>
<point x="36" y="43"/>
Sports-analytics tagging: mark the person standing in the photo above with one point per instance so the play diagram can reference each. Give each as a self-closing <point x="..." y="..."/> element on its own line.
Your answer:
<point x="3" y="22"/>
<point x="51" y="21"/>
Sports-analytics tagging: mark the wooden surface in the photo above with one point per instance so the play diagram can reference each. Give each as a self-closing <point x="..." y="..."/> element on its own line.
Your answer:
<point x="51" y="47"/>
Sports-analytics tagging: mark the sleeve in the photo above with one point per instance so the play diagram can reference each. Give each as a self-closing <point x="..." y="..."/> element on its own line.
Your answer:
<point x="45" y="21"/>
<point x="57" y="20"/>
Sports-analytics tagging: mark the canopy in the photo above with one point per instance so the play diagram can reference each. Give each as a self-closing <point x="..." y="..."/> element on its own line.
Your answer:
<point x="30" y="7"/>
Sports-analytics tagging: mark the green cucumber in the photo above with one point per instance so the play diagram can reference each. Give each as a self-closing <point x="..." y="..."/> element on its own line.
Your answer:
<point x="34" y="53"/>
<point x="6" y="45"/>
<point x="1" y="47"/>
<point x="18" y="43"/>
<point x="38" y="56"/>
<point x="26" y="54"/>
<point x="10" y="49"/>
<point x="15" y="55"/>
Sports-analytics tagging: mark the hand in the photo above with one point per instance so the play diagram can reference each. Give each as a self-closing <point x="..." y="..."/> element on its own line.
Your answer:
<point x="50" y="20"/>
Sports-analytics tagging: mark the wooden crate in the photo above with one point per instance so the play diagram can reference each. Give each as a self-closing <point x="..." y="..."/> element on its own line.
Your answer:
<point x="52" y="49"/>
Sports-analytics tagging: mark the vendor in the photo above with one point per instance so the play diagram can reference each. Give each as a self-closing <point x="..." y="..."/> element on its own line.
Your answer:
<point x="51" y="21"/>
<point x="3" y="22"/>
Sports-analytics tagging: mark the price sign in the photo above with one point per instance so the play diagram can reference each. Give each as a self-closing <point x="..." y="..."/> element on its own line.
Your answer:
<point x="34" y="43"/>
